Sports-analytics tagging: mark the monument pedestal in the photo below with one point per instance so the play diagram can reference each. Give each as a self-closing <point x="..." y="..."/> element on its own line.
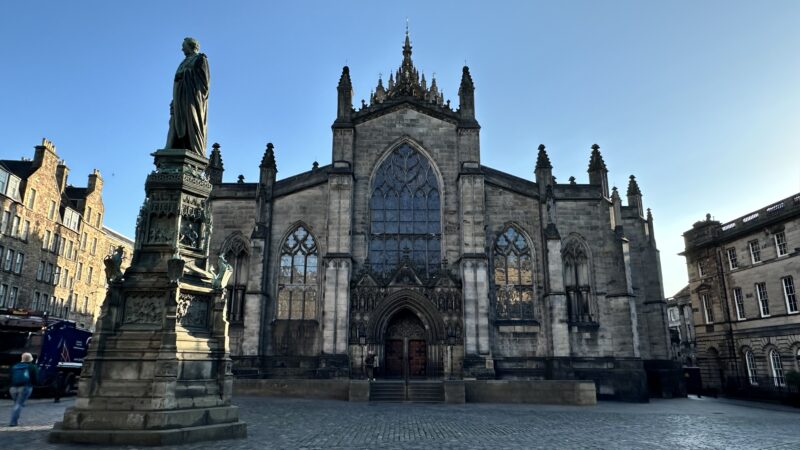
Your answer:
<point x="158" y="370"/>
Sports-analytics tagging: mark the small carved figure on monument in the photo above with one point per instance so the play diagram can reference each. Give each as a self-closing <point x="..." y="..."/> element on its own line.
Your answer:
<point x="113" y="264"/>
<point x="222" y="274"/>
<point x="189" y="107"/>
<point x="189" y="233"/>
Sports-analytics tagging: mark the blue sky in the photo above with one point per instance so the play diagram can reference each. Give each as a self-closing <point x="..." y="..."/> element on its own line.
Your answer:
<point x="699" y="100"/>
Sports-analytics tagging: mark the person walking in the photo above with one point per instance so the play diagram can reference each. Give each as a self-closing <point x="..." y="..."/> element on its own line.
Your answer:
<point x="23" y="377"/>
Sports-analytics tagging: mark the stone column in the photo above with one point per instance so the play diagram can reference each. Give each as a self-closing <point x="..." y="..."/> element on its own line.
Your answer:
<point x="556" y="298"/>
<point x="158" y="370"/>
<point x="474" y="272"/>
<point x="338" y="263"/>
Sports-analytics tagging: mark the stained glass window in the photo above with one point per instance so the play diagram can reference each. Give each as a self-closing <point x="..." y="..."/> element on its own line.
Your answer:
<point x="577" y="281"/>
<point x="405" y="213"/>
<point x="297" y="279"/>
<point x="513" y="276"/>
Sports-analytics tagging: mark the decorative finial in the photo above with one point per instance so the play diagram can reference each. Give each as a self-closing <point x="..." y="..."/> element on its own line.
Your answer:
<point x="314" y="165"/>
<point x="240" y="178"/>
<point x="633" y="186"/>
<point x="542" y="160"/>
<point x="572" y="180"/>
<point x="596" y="162"/>
<point x="269" y="157"/>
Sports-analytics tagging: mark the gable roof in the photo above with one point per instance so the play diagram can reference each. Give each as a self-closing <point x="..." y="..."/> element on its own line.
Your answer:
<point x="19" y="168"/>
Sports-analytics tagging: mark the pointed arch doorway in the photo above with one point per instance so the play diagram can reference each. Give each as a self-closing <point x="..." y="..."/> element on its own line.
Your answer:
<point x="405" y="347"/>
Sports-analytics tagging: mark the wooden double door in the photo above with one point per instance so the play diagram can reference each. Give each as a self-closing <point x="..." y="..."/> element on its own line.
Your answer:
<point x="406" y="358"/>
<point x="405" y="348"/>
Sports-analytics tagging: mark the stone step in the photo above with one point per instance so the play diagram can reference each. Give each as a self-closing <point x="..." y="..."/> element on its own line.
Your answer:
<point x="422" y="392"/>
<point x="417" y="392"/>
<point x="387" y="392"/>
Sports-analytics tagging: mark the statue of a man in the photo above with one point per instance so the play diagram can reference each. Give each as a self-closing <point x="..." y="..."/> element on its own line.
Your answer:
<point x="188" y="110"/>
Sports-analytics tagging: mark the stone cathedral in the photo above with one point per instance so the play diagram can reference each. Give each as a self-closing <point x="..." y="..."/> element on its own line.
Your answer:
<point x="407" y="247"/>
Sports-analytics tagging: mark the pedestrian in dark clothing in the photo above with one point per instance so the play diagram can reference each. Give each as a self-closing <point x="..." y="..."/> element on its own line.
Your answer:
<point x="369" y="362"/>
<point x="23" y="377"/>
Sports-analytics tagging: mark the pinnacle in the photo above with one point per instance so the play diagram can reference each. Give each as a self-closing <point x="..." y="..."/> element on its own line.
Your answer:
<point x="269" y="157"/>
<point x="633" y="187"/>
<point x="596" y="161"/>
<point x="542" y="160"/>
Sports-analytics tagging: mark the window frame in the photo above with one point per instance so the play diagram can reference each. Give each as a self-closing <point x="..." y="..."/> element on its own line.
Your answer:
<point x="733" y="262"/>
<point x="778" y="374"/>
<point x="514" y="306"/>
<point x="762" y="296"/>
<point x="755" y="251"/>
<point x="406" y="201"/>
<point x="751" y="367"/>
<point x="296" y="245"/>
<point x="781" y="246"/>
<point x="30" y="198"/>
<point x="790" y="294"/>
<point x="738" y="301"/>
<point x="708" y="308"/>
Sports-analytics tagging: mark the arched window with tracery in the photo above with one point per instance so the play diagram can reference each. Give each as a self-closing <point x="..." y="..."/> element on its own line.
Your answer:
<point x="236" y="251"/>
<point x="297" y="281"/>
<point x="581" y="303"/>
<point x="405" y="217"/>
<point x="513" y="276"/>
<point x="750" y="362"/>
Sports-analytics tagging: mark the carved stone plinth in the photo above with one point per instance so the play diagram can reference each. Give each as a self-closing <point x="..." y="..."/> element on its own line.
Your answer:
<point x="158" y="370"/>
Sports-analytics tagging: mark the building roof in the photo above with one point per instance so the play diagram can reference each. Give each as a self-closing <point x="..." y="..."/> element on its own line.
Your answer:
<point x="117" y="235"/>
<point x="20" y="168"/>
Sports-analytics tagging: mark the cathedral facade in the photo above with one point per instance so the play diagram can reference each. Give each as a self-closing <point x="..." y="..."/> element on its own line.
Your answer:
<point x="406" y="247"/>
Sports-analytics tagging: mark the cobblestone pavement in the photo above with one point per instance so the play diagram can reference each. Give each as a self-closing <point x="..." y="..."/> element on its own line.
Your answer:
<point x="292" y="423"/>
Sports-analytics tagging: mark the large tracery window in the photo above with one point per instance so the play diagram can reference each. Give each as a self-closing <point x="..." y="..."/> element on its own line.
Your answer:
<point x="577" y="281"/>
<point x="405" y="213"/>
<point x="513" y="276"/>
<point x="297" y="280"/>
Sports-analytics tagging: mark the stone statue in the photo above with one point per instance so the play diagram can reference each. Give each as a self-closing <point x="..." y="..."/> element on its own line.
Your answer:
<point x="113" y="264"/>
<point x="188" y="110"/>
<point x="222" y="274"/>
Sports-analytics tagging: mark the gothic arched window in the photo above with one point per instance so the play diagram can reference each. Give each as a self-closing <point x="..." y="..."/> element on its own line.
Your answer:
<point x="513" y="276"/>
<point x="405" y="209"/>
<point x="236" y="251"/>
<point x="577" y="280"/>
<point x="297" y="280"/>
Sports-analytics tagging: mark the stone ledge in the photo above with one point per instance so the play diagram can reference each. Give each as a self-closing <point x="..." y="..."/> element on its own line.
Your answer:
<point x="335" y="389"/>
<point x="175" y="436"/>
<point x="143" y="420"/>
<point x="556" y="392"/>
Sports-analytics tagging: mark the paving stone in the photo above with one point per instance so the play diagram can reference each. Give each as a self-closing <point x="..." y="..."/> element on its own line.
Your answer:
<point x="298" y="423"/>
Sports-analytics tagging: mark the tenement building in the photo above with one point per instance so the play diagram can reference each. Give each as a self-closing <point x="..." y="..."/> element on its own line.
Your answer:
<point x="407" y="247"/>
<point x="681" y="327"/>
<point x="52" y="239"/>
<point x="743" y="277"/>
